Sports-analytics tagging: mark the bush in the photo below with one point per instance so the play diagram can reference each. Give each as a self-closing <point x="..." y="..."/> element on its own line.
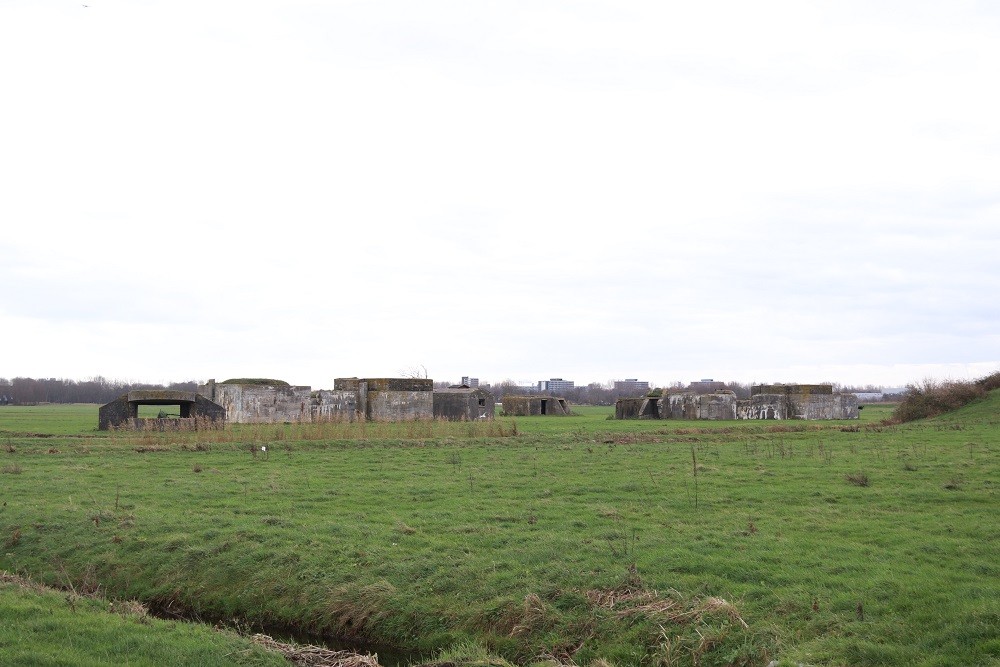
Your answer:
<point x="990" y="382"/>
<point x="932" y="398"/>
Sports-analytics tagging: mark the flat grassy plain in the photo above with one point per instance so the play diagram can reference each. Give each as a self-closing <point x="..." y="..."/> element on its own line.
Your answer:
<point x="546" y="539"/>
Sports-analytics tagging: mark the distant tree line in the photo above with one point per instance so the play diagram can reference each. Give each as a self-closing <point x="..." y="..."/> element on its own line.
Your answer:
<point x="32" y="391"/>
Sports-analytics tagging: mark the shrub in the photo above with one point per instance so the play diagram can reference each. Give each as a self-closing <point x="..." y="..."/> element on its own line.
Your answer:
<point x="990" y="382"/>
<point x="932" y="398"/>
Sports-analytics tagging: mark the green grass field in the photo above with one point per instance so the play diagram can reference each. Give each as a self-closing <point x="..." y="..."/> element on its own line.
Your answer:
<point x="545" y="539"/>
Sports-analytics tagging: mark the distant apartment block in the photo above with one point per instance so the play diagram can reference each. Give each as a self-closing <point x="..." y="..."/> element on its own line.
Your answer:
<point x="631" y="387"/>
<point x="555" y="385"/>
<point x="471" y="383"/>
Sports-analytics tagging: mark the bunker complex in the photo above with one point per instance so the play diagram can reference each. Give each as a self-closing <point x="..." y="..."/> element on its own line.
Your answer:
<point x="275" y="402"/>
<point x="769" y="401"/>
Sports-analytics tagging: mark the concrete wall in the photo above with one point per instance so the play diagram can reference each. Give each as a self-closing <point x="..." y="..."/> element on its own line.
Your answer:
<point x="464" y="404"/>
<point x="334" y="405"/>
<point x="834" y="406"/>
<point x="399" y="405"/>
<point x="114" y="414"/>
<point x="390" y="399"/>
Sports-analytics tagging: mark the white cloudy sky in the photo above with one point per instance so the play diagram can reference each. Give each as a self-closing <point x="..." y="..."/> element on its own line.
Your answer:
<point x="772" y="191"/>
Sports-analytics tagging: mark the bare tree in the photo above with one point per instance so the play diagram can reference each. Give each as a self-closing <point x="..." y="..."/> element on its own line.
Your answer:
<point x="417" y="372"/>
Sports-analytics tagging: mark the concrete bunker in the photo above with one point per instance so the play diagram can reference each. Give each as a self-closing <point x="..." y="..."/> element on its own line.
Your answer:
<point x="464" y="404"/>
<point x="526" y="406"/>
<point x="193" y="411"/>
<point x="798" y="401"/>
<point x="792" y="401"/>
<point x="643" y="407"/>
<point x="689" y="405"/>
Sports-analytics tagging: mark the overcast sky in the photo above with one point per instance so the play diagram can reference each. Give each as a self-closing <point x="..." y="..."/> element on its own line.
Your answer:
<point x="767" y="191"/>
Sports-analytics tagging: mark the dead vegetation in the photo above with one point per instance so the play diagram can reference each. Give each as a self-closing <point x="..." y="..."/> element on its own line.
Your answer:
<point x="315" y="656"/>
<point x="857" y="479"/>
<point x="625" y="602"/>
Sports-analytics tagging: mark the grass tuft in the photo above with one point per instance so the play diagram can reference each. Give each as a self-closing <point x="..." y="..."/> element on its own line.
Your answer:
<point x="857" y="479"/>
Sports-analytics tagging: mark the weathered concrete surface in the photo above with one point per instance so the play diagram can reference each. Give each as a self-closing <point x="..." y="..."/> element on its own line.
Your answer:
<point x="464" y="404"/>
<point x="391" y="399"/>
<point x="399" y="405"/>
<point x="196" y="411"/>
<point x="262" y="404"/>
<point x="799" y="406"/>
<point x="525" y="406"/>
<point x="628" y="408"/>
<point x="334" y="406"/>
<point x="688" y="405"/>
<point x="786" y="402"/>
<point x="764" y="406"/>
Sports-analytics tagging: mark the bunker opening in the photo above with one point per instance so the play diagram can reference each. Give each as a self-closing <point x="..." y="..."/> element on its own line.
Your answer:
<point x="164" y="410"/>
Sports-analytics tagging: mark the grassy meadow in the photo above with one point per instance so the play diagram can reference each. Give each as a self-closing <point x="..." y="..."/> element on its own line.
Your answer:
<point x="550" y="540"/>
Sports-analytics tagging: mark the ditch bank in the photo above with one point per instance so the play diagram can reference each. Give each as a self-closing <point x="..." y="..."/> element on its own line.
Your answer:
<point x="297" y="647"/>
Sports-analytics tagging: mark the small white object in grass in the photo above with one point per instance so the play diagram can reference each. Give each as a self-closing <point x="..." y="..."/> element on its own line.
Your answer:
<point x="263" y="448"/>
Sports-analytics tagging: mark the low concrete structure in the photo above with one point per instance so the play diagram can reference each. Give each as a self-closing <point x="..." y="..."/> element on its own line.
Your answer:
<point x="195" y="411"/>
<point x="464" y="404"/>
<point x="525" y="406"/>
<point x="816" y="401"/>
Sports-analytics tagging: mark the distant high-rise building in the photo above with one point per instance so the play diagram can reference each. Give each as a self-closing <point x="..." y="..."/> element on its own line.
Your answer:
<point x="555" y="385"/>
<point x="631" y="387"/>
<point x="472" y="383"/>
